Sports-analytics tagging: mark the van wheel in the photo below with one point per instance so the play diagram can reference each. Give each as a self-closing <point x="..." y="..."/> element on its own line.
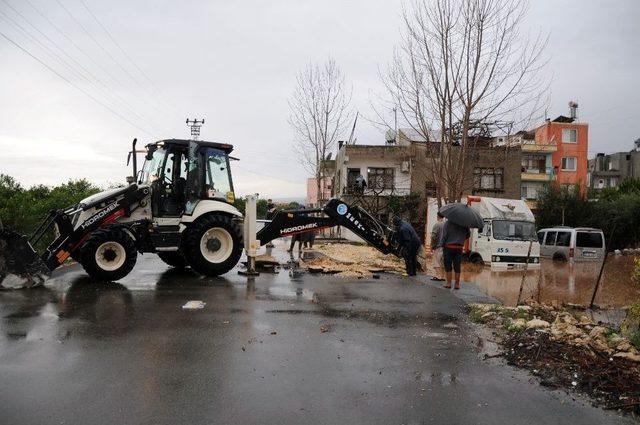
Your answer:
<point x="109" y="254"/>
<point x="213" y="244"/>
<point x="173" y="259"/>
<point x="559" y="258"/>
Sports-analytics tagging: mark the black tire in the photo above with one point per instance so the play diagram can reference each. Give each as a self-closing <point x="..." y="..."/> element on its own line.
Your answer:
<point x="205" y="262"/>
<point x="173" y="258"/>
<point x="122" y="244"/>
<point x="476" y="259"/>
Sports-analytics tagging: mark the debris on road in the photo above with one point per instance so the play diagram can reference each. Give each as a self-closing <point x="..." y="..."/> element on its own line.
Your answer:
<point x="194" y="305"/>
<point x="351" y="260"/>
<point x="325" y="328"/>
<point x="566" y="349"/>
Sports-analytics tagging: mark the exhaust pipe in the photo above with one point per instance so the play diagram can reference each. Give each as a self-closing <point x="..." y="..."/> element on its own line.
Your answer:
<point x="133" y="179"/>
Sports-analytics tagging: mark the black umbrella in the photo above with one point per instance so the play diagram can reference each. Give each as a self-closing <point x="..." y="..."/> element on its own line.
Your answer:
<point x="462" y="215"/>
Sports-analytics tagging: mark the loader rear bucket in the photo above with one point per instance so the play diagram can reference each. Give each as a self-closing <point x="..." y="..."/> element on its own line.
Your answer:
<point x="20" y="265"/>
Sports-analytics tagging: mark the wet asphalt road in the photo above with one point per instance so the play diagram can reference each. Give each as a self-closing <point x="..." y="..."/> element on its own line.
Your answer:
<point x="393" y="351"/>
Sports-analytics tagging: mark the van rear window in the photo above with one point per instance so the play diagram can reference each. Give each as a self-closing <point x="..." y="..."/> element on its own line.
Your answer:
<point x="589" y="240"/>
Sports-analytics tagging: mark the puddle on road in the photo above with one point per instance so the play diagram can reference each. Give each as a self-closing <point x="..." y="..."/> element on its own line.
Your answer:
<point x="563" y="283"/>
<point x="290" y="291"/>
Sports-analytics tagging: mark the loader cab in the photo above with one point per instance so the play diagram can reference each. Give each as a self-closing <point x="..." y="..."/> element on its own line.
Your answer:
<point x="183" y="172"/>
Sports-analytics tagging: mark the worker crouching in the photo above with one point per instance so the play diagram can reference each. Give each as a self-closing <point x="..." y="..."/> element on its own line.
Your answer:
<point x="409" y="243"/>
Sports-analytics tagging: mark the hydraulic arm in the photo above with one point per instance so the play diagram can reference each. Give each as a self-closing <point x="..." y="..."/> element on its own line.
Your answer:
<point x="334" y="213"/>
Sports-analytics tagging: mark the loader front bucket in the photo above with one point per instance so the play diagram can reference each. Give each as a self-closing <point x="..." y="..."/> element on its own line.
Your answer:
<point x="20" y="264"/>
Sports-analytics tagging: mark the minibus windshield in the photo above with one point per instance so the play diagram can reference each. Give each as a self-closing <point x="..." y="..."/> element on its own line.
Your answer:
<point x="514" y="230"/>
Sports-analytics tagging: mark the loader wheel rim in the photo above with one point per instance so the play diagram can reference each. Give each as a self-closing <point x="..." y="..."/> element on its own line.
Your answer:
<point x="216" y="245"/>
<point x="110" y="256"/>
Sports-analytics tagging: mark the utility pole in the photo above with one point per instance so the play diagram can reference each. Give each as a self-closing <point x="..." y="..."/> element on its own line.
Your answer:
<point x="395" y="124"/>
<point x="195" y="127"/>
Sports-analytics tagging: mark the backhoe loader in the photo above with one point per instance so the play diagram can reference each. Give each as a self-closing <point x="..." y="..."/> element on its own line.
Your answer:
<point x="179" y="206"/>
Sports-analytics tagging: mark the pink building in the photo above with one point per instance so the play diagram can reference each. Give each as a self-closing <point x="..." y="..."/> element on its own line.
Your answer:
<point x="312" y="191"/>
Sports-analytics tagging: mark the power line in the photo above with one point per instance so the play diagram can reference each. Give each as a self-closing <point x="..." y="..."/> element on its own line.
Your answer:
<point x="84" y="29"/>
<point x="88" y="56"/>
<point x="62" y="61"/>
<point x="97" y="43"/>
<point x="74" y="44"/>
<point x="89" y="95"/>
<point x="126" y="55"/>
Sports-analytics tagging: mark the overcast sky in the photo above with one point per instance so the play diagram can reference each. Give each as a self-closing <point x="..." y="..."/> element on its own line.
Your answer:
<point x="234" y="63"/>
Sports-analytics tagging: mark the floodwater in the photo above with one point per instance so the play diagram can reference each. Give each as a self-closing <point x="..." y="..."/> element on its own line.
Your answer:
<point x="561" y="282"/>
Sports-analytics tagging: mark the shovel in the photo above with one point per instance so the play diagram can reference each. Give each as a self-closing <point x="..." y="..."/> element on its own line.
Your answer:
<point x="20" y="264"/>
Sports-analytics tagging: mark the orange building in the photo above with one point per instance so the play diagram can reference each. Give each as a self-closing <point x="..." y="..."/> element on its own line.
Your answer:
<point x="571" y="137"/>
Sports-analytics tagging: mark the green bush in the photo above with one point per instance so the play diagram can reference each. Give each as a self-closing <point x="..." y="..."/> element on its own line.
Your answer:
<point x="630" y="326"/>
<point x="261" y="207"/>
<point x="22" y="209"/>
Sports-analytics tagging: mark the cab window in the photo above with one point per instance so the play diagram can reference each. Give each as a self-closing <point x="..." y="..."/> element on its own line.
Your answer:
<point x="152" y="169"/>
<point x="541" y="237"/>
<point x="217" y="177"/>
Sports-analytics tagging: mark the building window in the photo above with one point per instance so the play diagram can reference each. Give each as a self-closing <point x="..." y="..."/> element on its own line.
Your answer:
<point x="529" y="191"/>
<point x="569" y="135"/>
<point x="380" y="178"/>
<point x="487" y="178"/>
<point x="569" y="163"/>
<point x="352" y="175"/>
<point x="534" y="164"/>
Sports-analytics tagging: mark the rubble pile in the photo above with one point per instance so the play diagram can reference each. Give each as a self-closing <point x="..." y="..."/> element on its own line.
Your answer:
<point x="347" y="260"/>
<point x="567" y="350"/>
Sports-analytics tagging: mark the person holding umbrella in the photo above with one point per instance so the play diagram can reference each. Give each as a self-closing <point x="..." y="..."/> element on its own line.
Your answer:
<point x="460" y="218"/>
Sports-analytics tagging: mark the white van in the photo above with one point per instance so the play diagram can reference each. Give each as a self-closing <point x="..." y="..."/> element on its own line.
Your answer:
<point x="509" y="232"/>
<point x="572" y="244"/>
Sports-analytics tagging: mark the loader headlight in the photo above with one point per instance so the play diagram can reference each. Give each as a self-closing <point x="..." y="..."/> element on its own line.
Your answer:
<point x="231" y="197"/>
<point x="496" y="258"/>
<point x="536" y="260"/>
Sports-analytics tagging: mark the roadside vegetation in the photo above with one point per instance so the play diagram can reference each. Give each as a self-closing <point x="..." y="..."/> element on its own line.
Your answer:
<point x="261" y="206"/>
<point x="565" y="348"/>
<point x="22" y="209"/>
<point x="616" y="211"/>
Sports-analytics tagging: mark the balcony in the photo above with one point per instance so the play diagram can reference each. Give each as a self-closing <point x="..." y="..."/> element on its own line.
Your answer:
<point x="539" y="148"/>
<point x="537" y="174"/>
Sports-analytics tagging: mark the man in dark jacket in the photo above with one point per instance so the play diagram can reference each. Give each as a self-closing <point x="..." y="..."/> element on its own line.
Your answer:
<point x="409" y="242"/>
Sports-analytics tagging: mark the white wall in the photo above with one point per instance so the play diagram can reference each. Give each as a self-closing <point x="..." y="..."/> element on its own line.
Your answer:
<point x="402" y="180"/>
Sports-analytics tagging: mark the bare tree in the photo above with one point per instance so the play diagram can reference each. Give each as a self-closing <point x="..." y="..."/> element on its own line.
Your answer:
<point x="461" y="64"/>
<point x="319" y="113"/>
